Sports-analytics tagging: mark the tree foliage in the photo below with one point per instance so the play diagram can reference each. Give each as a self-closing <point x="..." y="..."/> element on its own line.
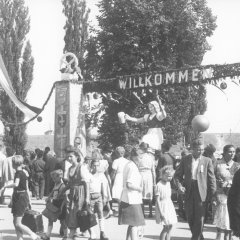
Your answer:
<point x="76" y="28"/>
<point x="17" y="56"/>
<point x="141" y="36"/>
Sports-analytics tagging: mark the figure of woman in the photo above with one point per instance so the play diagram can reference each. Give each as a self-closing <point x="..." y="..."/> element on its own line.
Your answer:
<point x="103" y="169"/>
<point x="233" y="203"/>
<point x="117" y="173"/>
<point x="154" y="136"/>
<point x="147" y="170"/>
<point x="78" y="185"/>
<point x="224" y="171"/>
<point x="130" y="209"/>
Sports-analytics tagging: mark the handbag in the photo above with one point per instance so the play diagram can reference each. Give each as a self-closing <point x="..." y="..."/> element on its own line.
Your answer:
<point x="51" y="212"/>
<point x="86" y="219"/>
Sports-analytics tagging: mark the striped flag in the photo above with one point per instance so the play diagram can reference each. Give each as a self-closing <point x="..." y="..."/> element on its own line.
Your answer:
<point x="28" y="110"/>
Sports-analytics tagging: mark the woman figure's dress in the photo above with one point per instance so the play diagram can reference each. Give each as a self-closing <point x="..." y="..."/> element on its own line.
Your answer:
<point x="106" y="188"/>
<point x="224" y="174"/>
<point x="146" y="167"/>
<point x="118" y="166"/>
<point x="77" y="194"/>
<point x="164" y="204"/>
<point x="154" y="135"/>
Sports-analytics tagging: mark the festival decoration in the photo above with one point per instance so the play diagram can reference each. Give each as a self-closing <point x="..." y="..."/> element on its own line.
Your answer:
<point x="211" y="74"/>
<point x="39" y="118"/>
<point x="69" y="67"/>
<point x="6" y="84"/>
<point x="200" y="123"/>
<point x="92" y="133"/>
<point x="223" y="85"/>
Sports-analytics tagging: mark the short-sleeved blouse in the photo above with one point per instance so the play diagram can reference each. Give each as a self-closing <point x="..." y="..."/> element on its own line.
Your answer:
<point x="132" y="175"/>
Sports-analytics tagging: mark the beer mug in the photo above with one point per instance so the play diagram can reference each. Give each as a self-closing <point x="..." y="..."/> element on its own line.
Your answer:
<point x="121" y="117"/>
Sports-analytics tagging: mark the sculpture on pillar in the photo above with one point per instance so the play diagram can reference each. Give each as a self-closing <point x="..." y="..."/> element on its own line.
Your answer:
<point x="69" y="67"/>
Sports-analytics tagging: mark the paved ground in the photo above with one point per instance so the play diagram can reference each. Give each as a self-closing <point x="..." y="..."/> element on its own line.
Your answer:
<point x="113" y="230"/>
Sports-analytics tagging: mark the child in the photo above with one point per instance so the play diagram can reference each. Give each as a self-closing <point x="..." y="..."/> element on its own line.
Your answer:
<point x="96" y="197"/>
<point x="165" y="211"/>
<point x="20" y="198"/>
<point x="57" y="199"/>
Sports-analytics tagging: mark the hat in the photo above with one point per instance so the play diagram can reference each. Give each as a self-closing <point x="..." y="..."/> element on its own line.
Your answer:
<point x="71" y="148"/>
<point x="210" y="148"/>
<point x="197" y="142"/>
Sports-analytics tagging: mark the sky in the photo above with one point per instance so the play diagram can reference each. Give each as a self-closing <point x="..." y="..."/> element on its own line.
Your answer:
<point x="46" y="37"/>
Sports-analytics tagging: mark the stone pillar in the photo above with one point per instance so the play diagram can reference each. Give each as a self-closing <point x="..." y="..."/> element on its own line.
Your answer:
<point x="69" y="118"/>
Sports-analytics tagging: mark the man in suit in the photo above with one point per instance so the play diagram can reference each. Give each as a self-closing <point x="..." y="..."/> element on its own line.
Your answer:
<point x="195" y="178"/>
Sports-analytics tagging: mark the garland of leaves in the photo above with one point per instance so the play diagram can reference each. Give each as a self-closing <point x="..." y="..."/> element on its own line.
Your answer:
<point x="110" y="85"/>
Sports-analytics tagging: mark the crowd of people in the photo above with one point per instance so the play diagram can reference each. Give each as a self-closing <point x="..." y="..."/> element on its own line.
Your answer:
<point x="207" y="188"/>
<point x="146" y="173"/>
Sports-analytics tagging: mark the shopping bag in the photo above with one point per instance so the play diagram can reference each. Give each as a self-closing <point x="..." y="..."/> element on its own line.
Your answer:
<point x="51" y="212"/>
<point x="86" y="219"/>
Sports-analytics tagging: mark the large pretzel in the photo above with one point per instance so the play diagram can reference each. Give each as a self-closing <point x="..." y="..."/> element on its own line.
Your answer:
<point x="66" y="66"/>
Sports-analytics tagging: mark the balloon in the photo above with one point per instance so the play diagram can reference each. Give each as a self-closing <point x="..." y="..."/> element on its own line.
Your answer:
<point x="200" y="123"/>
<point x="223" y="85"/>
<point x="39" y="119"/>
<point x="92" y="133"/>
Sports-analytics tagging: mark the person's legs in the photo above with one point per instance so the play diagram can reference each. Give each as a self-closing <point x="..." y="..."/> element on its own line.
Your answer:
<point x="128" y="236"/>
<point x="99" y="210"/>
<point x="36" y="186"/>
<point x="169" y="229"/>
<point x="49" y="229"/>
<point x="23" y="228"/>
<point x="134" y="233"/>
<point x="42" y="186"/>
<point x="72" y="233"/>
<point x="163" y="234"/>
<point x="227" y="235"/>
<point x="189" y="203"/>
<point x="219" y="234"/>
<point x="150" y="209"/>
<point x="64" y="228"/>
<point x="18" y="232"/>
<point x="198" y="215"/>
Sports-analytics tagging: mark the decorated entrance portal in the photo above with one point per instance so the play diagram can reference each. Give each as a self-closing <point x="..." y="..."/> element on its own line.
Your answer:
<point x="71" y="91"/>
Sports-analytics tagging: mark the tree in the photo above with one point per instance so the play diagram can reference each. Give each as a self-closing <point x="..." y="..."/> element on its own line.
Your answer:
<point x="16" y="53"/>
<point x="76" y="28"/>
<point x="148" y="35"/>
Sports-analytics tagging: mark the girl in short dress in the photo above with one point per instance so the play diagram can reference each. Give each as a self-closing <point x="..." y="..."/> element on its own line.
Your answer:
<point x="20" y="198"/>
<point x="165" y="211"/>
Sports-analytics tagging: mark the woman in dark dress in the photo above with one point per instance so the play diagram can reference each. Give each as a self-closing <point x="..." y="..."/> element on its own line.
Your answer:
<point x="233" y="204"/>
<point x="154" y="136"/>
<point x="20" y="198"/>
<point x="78" y="186"/>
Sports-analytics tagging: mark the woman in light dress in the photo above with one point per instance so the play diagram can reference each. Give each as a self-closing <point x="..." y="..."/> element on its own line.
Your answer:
<point x="117" y="173"/>
<point x="130" y="209"/>
<point x="154" y="136"/>
<point x="103" y="169"/>
<point x="146" y="167"/>
<point x="224" y="171"/>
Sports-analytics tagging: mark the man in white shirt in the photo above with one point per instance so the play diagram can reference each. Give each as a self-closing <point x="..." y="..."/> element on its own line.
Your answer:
<point x="195" y="177"/>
